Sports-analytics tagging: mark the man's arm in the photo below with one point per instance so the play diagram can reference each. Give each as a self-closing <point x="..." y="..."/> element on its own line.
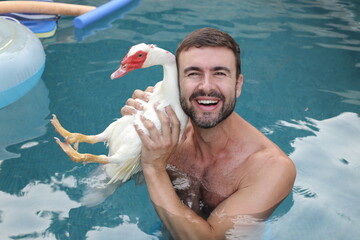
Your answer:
<point x="180" y="220"/>
<point x="241" y="213"/>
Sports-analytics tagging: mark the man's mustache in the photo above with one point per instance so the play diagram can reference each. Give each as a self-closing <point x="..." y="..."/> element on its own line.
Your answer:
<point x="201" y="93"/>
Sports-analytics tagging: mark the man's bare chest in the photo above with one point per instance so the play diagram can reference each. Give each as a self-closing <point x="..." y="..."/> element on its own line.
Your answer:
<point x="201" y="188"/>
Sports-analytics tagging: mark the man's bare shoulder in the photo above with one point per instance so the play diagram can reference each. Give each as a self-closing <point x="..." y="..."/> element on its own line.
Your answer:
<point x="266" y="177"/>
<point x="271" y="159"/>
<point x="271" y="168"/>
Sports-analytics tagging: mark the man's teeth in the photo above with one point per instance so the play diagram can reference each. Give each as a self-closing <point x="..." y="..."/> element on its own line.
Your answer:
<point x="207" y="102"/>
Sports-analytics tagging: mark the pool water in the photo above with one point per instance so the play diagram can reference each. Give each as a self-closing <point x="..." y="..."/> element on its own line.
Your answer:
<point x="301" y="63"/>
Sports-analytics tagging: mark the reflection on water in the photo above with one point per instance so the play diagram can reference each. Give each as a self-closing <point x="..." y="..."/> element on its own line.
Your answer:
<point x="350" y="96"/>
<point x="128" y="230"/>
<point x="30" y="214"/>
<point x="247" y="228"/>
<point x="24" y="120"/>
<point x="328" y="167"/>
<point x="333" y="151"/>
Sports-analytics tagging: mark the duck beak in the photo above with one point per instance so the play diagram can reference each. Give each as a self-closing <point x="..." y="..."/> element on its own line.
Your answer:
<point x="120" y="72"/>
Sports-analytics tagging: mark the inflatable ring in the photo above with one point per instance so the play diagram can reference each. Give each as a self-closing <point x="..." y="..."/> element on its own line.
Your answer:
<point x="22" y="61"/>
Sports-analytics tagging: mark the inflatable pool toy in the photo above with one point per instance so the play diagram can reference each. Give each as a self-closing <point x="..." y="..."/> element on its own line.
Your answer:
<point x="43" y="25"/>
<point x="100" y="12"/>
<point x="22" y="61"/>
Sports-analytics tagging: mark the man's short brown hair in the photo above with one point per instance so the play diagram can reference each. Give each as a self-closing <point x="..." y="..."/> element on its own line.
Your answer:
<point x="210" y="37"/>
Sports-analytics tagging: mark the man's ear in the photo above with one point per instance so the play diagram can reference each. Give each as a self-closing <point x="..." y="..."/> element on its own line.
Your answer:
<point x="239" y="83"/>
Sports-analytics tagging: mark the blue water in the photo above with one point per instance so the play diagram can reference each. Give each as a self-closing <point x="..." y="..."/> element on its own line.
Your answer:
<point x="301" y="63"/>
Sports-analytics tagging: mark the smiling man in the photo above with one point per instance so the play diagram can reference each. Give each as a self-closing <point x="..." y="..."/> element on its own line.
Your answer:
<point x="224" y="177"/>
<point x="205" y="83"/>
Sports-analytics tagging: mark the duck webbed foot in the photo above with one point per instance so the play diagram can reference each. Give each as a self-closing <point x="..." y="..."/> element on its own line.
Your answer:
<point x="73" y="138"/>
<point x="79" y="157"/>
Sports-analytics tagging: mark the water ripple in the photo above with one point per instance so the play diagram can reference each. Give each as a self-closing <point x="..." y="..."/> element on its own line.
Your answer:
<point x="305" y="192"/>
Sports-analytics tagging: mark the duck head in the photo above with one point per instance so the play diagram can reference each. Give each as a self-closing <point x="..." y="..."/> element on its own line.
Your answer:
<point x="136" y="58"/>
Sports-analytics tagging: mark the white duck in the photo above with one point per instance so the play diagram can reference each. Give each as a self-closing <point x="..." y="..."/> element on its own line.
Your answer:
<point x="123" y="159"/>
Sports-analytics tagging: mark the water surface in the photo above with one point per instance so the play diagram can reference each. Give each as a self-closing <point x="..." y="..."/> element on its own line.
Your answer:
<point x="301" y="63"/>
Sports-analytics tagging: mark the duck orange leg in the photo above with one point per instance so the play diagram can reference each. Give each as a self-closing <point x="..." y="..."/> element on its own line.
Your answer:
<point x="78" y="157"/>
<point x="74" y="138"/>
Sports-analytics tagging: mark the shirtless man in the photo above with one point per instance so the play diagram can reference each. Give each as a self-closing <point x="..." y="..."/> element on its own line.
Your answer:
<point x="224" y="171"/>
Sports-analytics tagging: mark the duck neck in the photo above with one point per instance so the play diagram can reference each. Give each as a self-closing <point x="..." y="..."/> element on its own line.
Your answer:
<point x="170" y="81"/>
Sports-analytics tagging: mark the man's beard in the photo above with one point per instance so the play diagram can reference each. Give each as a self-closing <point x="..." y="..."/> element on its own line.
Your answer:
<point x="205" y="121"/>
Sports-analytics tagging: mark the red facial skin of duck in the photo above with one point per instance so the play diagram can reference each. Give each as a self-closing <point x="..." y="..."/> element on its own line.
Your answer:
<point x="130" y="63"/>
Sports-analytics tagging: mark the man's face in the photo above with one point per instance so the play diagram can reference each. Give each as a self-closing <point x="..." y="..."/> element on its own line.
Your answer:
<point x="208" y="84"/>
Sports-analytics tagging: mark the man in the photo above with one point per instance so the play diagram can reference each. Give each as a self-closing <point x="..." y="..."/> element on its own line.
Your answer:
<point x="224" y="173"/>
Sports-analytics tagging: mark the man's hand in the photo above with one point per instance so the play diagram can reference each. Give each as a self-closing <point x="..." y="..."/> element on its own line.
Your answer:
<point x="135" y="102"/>
<point x="159" y="145"/>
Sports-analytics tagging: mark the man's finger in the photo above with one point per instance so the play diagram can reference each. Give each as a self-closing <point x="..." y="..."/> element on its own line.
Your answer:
<point x="138" y="105"/>
<point x="144" y="138"/>
<point x="150" y="89"/>
<point x="138" y="94"/>
<point x="128" y="110"/>
<point x="154" y="133"/>
<point x="165" y="123"/>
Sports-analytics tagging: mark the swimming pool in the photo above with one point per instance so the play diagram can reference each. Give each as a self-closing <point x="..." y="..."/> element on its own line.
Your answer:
<point x="301" y="63"/>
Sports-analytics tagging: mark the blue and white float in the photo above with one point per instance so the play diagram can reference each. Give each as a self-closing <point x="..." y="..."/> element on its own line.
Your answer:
<point x="22" y="61"/>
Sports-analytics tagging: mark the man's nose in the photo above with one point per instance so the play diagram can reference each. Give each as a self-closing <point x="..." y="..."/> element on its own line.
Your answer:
<point x="207" y="83"/>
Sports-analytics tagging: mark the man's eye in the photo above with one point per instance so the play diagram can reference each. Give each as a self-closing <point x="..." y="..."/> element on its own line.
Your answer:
<point x="192" y="74"/>
<point x="220" y="74"/>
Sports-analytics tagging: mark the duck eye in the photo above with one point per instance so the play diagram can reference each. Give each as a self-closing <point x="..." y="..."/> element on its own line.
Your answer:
<point x="140" y="55"/>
